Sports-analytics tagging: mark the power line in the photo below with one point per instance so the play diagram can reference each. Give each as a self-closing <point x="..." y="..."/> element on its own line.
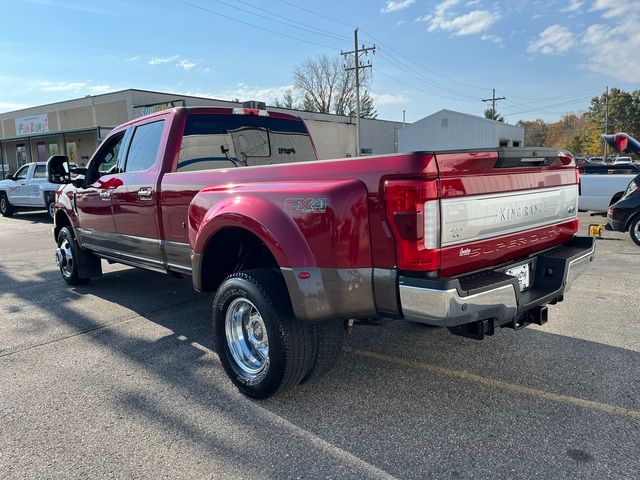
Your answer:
<point x="305" y="27"/>
<point x="318" y="14"/>
<point x="493" y="101"/>
<point x="358" y="65"/>
<point x="199" y="7"/>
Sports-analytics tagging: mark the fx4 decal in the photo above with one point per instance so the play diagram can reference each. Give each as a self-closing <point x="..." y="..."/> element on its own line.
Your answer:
<point x="305" y="205"/>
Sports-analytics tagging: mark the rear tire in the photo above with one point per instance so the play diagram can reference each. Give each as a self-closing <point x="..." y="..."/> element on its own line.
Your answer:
<point x="6" y="209"/>
<point x="67" y="257"/>
<point x="634" y="230"/>
<point x="263" y="348"/>
<point x="51" y="208"/>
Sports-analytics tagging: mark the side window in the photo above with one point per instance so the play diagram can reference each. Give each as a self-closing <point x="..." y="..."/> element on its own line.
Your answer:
<point x="41" y="171"/>
<point x="105" y="160"/>
<point x="144" y="147"/>
<point x="22" y="173"/>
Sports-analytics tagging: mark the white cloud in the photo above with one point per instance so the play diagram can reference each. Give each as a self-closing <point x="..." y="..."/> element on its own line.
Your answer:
<point x="617" y="8"/>
<point x="100" y="89"/>
<point x="61" y="86"/>
<point x="492" y="38"/>
<point x="389" y="99"/>
<point x="244" y="92"/>
<point x="470" y="23"/>
<point x="609" y="48"/>
<point x="613" y="49"/>
<point x="553" y="40"/>
<point x="574" y="5"/>
<point x="160" y="60"/>
<point x="185" y="64"/>
<point x="396" y="5"/>
<point x="75" y="87"/>
<point x="133" y="59"/>
<point x="10" y="106"/>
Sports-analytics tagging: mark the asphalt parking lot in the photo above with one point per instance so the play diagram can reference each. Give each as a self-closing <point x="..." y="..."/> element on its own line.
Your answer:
<point x="117" y="379"/>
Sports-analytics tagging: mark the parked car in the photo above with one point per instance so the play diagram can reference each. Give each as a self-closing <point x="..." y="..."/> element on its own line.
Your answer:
<point x="623" y="161"/>
<point x="625" y="168"/>
<point x="27" y="189"/>
<point x="624" y="216"/>
<point x="293" y="249"/>
<point x="597" y="160"/>
<point x="598" y="192"/>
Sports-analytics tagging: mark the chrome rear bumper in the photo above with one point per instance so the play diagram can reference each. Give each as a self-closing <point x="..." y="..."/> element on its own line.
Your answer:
<point x="493" y="294"/>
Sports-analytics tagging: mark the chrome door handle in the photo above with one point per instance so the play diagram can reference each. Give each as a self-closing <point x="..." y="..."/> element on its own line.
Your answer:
<point x="105" y="195"/>
<point x="145" y="193"/>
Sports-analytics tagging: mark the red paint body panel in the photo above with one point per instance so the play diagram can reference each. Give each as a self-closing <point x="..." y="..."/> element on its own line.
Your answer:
<point x="352" y="232"/>
<point x="503" y="249"/>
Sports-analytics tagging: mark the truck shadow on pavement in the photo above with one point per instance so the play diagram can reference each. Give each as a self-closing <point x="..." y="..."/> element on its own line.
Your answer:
<point x="33" y="217"/>
<point x="370" y="416"/>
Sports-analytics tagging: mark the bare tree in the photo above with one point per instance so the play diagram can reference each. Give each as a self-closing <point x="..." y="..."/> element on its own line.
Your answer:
<point x="323" y="85"/>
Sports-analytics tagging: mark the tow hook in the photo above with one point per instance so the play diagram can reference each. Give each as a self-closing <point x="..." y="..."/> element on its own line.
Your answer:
<point x="538" y="315"/>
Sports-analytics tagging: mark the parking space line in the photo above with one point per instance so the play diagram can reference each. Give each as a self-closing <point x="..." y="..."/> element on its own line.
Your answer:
<point x="471" y="377"/>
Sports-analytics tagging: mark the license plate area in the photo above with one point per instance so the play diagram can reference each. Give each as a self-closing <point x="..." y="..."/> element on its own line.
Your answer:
<point x="522" y="273"/>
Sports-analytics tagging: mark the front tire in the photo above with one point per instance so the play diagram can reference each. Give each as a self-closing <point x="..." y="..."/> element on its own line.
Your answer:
<point x="634" y="230"/>
<point x="263" y="348"/>
<point x="67" y="257"/>
<point x="6" y="209"/>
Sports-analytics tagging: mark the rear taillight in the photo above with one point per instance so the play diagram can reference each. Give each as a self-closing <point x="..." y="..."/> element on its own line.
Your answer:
<point x="413" y="212"/>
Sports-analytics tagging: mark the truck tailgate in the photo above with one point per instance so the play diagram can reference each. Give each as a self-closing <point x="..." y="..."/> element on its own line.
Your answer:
<point x="501" y="206"/>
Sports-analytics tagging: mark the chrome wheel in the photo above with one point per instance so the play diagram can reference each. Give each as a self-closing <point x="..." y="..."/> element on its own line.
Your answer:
<point x="3" y="205"/>
<point x="247" y="337"/>
<point x="52" y="209"/>
<point x="64" y="258"/>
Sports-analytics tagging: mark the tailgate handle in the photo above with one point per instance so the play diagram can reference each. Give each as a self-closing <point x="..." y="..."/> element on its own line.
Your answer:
<point x="145" y="193"/>
<point x="105" y="195"/>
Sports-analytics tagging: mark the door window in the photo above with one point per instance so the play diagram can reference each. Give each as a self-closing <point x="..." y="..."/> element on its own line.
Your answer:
<point x="104" y="162"/>
<point x="144" y="147"/>
<point x="40" y="171"/>
<point x="22" y="173"/>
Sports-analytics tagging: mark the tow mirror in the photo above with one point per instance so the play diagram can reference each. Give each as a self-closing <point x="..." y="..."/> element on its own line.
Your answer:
<point x="58" y="169"/>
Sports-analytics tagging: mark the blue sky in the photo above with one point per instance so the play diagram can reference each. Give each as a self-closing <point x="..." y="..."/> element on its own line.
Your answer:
<point x="546" y="57"/>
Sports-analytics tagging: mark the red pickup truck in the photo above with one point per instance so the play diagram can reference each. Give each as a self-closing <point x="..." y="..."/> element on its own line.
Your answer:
<point x="295" y="249"/>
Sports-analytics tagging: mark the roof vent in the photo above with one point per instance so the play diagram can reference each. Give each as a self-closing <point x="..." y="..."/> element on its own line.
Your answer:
<point x="254" y="104"/>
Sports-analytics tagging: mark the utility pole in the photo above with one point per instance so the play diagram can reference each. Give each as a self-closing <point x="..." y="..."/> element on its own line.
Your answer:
<point x="493" y="101"/>
<point x="606" y="123"/>
<point x="358" y="65"/>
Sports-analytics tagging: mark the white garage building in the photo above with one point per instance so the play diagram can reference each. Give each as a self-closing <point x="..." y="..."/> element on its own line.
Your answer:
<point x="449" y="130"/>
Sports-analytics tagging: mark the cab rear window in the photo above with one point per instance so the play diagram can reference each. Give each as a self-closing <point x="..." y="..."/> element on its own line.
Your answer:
<point x="213" y="141"/>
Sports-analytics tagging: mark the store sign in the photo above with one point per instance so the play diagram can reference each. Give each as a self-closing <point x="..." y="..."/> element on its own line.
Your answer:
<point x="158" y="107"/>
<point x="32" y="124"/>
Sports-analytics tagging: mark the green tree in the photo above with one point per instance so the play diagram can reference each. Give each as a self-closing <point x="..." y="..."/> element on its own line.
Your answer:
<point x="493" y="115"/>
<point x="535" y="132"/>
<point x="623" y="112"/>
<point x="288" y="100"/>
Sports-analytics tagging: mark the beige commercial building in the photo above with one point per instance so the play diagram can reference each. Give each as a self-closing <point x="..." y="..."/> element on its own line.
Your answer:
<point x="76" y="127"/>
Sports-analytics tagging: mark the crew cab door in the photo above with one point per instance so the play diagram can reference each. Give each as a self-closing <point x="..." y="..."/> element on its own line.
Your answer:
<point x="38" y="178"/>
<point x="93" y="202"/>
<point x="135" y="197"/>
<point x="18" y="191"/>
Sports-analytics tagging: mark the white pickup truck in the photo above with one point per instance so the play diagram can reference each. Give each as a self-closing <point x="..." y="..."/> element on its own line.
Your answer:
<point x="599" y="192"/>
<point x="29" y="189"/>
